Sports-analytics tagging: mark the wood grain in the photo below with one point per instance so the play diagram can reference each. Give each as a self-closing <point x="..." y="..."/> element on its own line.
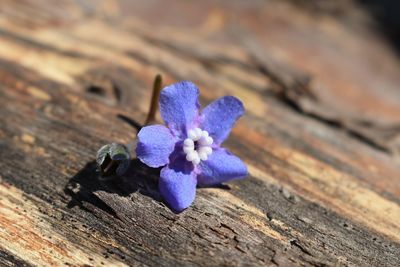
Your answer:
<point x="320" y="136"/>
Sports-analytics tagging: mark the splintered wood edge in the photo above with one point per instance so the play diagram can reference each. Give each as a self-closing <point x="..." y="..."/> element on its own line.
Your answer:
<point x="26" y="233"/>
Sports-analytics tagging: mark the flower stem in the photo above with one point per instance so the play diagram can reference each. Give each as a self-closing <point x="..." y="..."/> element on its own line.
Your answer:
<point x="157" y="85"/>
<point x="114" y="159"/>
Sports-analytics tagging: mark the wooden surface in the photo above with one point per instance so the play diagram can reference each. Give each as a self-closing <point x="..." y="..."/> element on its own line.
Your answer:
<point x="321" y="136"/>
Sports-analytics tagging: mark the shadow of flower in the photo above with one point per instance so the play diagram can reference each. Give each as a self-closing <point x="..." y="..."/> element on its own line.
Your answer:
<point x="139" y="178"/>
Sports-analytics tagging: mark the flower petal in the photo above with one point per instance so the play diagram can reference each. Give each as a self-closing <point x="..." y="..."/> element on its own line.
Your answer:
<point x="178" y="187"/>
<point x="219" y="117"/>
<point x="179" y="106"/>
<point x="221" y="166"/>
<point x="155" y="145"/>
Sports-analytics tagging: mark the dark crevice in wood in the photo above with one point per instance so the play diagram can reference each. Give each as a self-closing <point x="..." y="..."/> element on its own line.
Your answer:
<point x="9" y="260"/>
<point x="97" y="89"/>
<point x="336" y="124"/>
<point x="94" y="89"/>
<point x="113" y="85"/>
<point x="117" y="92"/>
<point x="291" y="97"/>
<point x="295" y="243"/>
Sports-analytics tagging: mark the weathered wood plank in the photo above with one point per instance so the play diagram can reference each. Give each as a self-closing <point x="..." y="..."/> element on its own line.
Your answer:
<point x="320" y="193"/>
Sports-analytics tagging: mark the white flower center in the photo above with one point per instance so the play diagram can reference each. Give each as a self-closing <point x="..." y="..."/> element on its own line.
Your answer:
<point x="197" y="146"/>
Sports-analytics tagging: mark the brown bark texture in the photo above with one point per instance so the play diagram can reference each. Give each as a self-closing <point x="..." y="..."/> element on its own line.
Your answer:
<point x="321" y="135"/>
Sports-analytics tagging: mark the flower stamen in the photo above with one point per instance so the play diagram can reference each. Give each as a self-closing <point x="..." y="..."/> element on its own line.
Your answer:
<point x="197" y="146"/>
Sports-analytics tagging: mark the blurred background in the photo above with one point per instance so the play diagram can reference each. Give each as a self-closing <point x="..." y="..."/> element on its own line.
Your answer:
<point x="337" y="61"/>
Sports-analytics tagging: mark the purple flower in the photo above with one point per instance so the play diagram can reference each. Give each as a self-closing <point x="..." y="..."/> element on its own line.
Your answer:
<point x="190" y="147"/>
